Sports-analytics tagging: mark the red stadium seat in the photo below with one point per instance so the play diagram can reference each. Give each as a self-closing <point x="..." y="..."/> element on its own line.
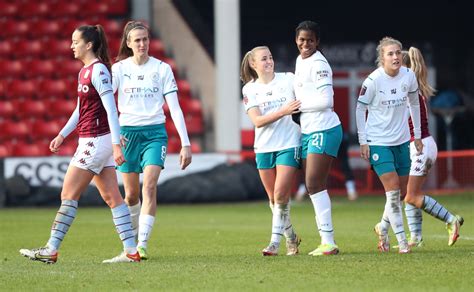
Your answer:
<point x="68" y="148"/>
<point x="58" y="48"/>
<point x="29" y="108"/>
<point x="194" y="125"/>
<point x="18" y="130"/>
<point x="7" y="109"/>
<point x="174" y="144"/>
<point x="40" y="69"/>
<point x="62" y="108"/>
<point x="35" y="9"/>
<point x="22" y="89"/>
<point x="247" y="138"/>
<point x="68" y="68"/>
<point x="46" y="28"/>
<point x="9" y="9"/>
<point x="22" y="149"/>
<point x="191" y="107"/>
<point x="26" y="48"/>
<point x="15" y="29"/>
<point x="173" y="66"/>
<point x="6" y="48"/>
<point x="196" y="146"/>
<point x="46" y="129"/>
<point x="113" y="28"/>
<point x="94" y="9"/>
<point x="5" y="151"/>
<point x="157" y="49"/>
<point x="12" y="69"/>
<point x="55" y="88"/>
<point x="67" y="9"/>
<point x="184" y="89"/>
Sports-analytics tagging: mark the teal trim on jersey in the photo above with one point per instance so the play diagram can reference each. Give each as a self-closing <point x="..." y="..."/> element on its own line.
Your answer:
<point x="362" y="102"/>
<point x="288" y="157"/>
<point x="322" y="142"/>
<point x="146" y="145"/>
<point x="324" y="86"/>
<point x="322" y="61"/>
<point x="170" y="92"/>
<point x="413" y="91"/>
<point x="252" y="107"/>
<point x="385" y="159"/>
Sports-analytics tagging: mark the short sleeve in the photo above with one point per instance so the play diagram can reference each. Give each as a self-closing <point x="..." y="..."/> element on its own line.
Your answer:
<point x="101" y="79"/>
<point x="169" y="83"/>
<point x="367" y="92"/>
<point x="321" y="73"/>
<point x="249" y="98"/>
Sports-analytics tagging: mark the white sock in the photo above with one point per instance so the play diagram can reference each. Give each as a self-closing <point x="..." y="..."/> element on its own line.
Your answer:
<point x="280" y="212"/>
<point x="134" y="215"/>
<point x="322" y="208"/>
<point x="144" y="229"/>
<point x="288" y="232"/>
<point x="394" y="213"/>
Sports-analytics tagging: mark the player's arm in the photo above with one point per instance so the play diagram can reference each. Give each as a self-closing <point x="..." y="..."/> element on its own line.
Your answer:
<point x="260" y="120"/>
<point x="415" y="113"/>
<point x="366" y="96"/>
<point x="66" y="130"/>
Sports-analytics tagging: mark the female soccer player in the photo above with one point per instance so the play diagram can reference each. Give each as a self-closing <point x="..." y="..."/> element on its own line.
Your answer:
<point x="421" y="164"/>
<point x="96" y="120"/>
<point x="384" y="137"/>
<point x="320" y="126"/>
<point x="269" y="101"/>
<point x="143" y="84"/>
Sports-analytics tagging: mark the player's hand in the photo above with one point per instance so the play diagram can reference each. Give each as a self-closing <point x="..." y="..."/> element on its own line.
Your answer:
<point x="56" y="143"/>
<point x="118" y="154"/>
<point x="419" y="146"/>
<point x="123" y="141"/>
<point x="292" y="107"/>
<point x="185" y="157"/>
<point x="365" y="151"/>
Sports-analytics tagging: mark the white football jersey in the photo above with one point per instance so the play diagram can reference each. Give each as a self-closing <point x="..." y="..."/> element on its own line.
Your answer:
<point x="387" y="100"/>
<point x="269" y="98"/>
<point x="141" y="90"/>
<point x="313" y="77"/>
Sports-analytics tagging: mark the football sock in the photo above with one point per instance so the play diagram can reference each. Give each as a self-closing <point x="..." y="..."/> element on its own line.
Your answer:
<point x="64" y="218"/>
<point x="280" y="212"/>
<point x="144" y="229"/>
<point x="393" y="211"/>
<point x="123" y="225"/>
<point x="288" y="232"/>
<point x="414" y="221"/>
<point x="435" y="209"/>
<point x="134" y="215"/>
<point x="322" y="208"/>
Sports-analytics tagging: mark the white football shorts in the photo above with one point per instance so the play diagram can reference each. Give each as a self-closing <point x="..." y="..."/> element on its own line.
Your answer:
<point x="94" y="154"/>
<point x="421" y="164"/>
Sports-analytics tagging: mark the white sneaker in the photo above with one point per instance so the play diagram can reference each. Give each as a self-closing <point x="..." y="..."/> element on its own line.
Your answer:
<point x="271" y="250"/>
<point x="404" y="247"/>
<point x="41" y="254"/>
<point x="124" y="258"/>
<point x="292" y="246"/>
<point x="384" y="242"/>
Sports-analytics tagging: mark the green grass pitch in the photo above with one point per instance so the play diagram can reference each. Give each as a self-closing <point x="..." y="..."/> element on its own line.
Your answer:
<point x="217" y="247"/>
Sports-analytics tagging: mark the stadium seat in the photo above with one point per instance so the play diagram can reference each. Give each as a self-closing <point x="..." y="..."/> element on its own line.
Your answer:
<point x="191" y="107"/>
<point x="68" y="148"/>
<point x="7" y="109"/>
<point x="184" y="89"/>
<point x="58" y="48"/>
<point x="22" y="149"/>
<point x="41" y="69"/>
<point x="4" y="151"/>
<point x="12" y="69"/>
<point x="46" y="129"/>
<point x="35" y="9"/>
<point x="15" y="29"/>
<point x="173" y="66"/>
<point x="247" y="138"/>
<point x="29" y="49"/>
<point x="157" y="49"/>
<point x="68" y="68"/>
<point x="67" y="9"/>
<point x="22" y="89"/>
<point x="56" y="88"/>
<point x="112" y="28"/>
<point x="194" y="125"/>
<point x="62" y="108"/>
<point x="46" y="28"/>
<point x="14" y="130"/>
<point x="29" y="108"/>
<point x="170" y="128"/>
<point x="196" y="146"/>
<point x="9" y="9"/>
<point x="174" y="144"/>
<point x="6" y="48"/>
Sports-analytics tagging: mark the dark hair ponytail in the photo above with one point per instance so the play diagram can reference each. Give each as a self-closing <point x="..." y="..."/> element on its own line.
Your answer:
<point x="96" y="35"/>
